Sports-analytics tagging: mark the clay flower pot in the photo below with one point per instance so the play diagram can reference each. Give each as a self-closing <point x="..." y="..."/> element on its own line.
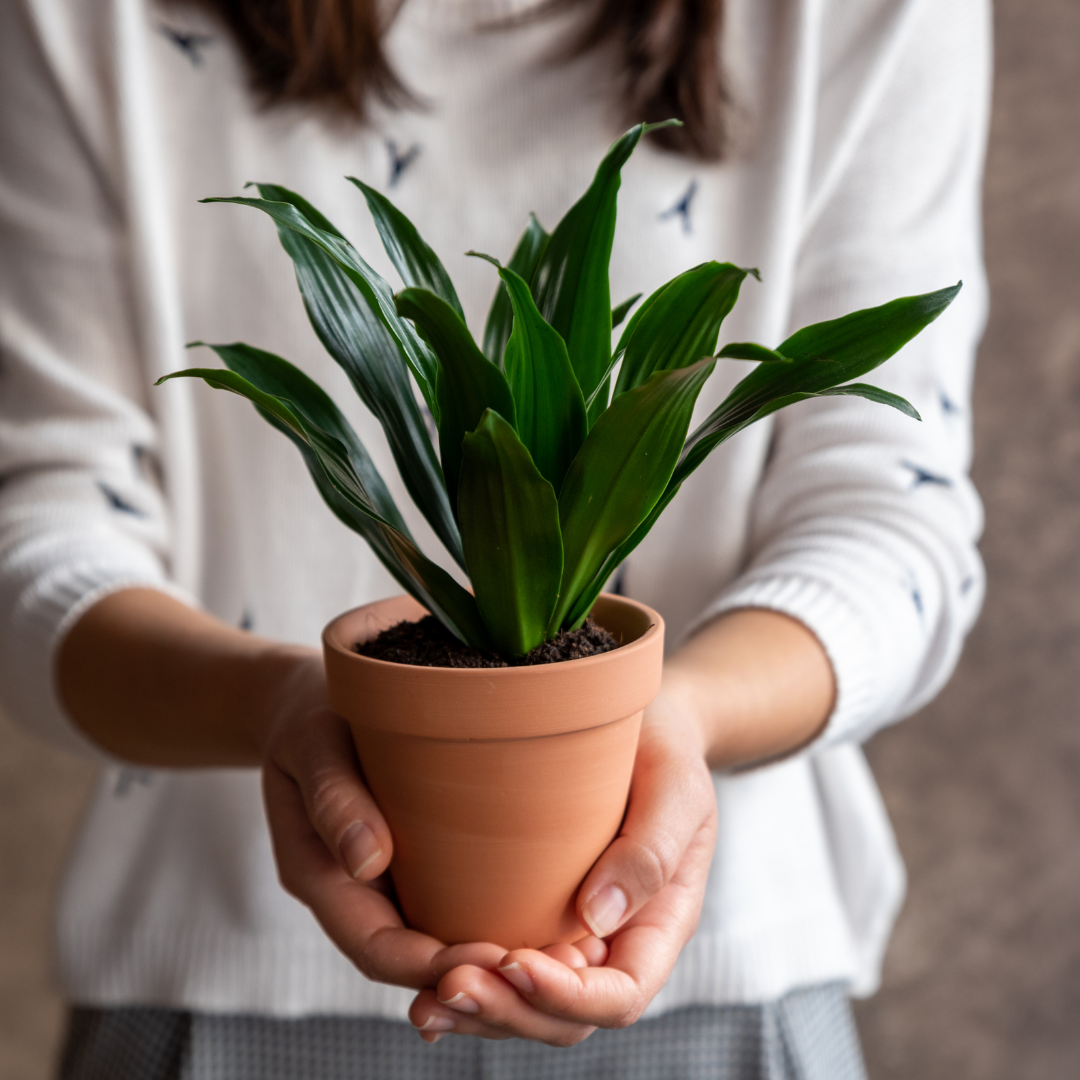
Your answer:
<point x="501" y="786"/>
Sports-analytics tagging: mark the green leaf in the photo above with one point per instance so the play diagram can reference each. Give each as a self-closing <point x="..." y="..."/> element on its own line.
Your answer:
<point x="510" y="530"/>
<point x="620" y="471"/>
<point x="417" y="264"/>
<point x="361" y="345"/>
<point x="748" y="350"/>
<point x="500" y="317"/>
<point x="303" y="397"/>
<point x="599" y="401"/>
<point x="618" y="314"/>
<point x="679" y="324"/>
<point x="571" y="280"/>
<point x="863" y="390"/>
<point x="875" y="394"/>
<point x="550" y="409"/>
<point x="344" y="475"/>
<point x="468" y="382"/>
<point x="823" y="356"/>
<point x="376" y="291"/>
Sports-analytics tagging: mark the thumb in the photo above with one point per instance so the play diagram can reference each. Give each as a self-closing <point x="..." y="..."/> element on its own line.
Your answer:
<point x="671" y="801"/>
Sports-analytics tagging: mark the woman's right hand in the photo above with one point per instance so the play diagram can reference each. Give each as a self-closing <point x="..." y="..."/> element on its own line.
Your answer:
<point x="332" y="845"/>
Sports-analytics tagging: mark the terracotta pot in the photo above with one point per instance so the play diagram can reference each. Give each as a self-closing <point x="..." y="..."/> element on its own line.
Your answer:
<point x="501" y="786"/>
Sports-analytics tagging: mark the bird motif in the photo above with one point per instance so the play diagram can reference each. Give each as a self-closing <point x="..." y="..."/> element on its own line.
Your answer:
<point x="681" y="209"/>
<point x="912" y="584"/>
<point x="921" y="476"/>
<point x="400" y="162"/>
<point x="948" y="406"/>
<point x="191" y="45"/>
<point x="118" y="502"/>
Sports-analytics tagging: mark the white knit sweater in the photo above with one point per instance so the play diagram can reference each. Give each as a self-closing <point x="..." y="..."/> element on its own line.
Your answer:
<point x="856" y="179"/>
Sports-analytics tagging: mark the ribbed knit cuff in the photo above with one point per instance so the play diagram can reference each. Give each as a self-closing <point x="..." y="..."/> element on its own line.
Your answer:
<point x="849" y="642"/>
<point x="45" y="613"/>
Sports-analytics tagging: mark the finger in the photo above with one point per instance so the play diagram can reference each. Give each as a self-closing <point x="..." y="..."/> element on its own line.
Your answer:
<point x="478" y="1002"/>
<point x="671" y="798"/>
<point x="640" y="955"/>
<point x="594" y="950"/>
<point x="569" y="955"/>
<point x="588" y="952"/>
<point x="322" y="762"/>
<point x="359" y="918"/>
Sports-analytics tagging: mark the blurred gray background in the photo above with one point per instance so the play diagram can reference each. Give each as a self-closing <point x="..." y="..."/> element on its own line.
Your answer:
<point x="982" y="979"/>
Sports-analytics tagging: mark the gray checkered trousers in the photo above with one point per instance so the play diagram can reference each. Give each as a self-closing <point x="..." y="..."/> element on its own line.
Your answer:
<point x="807" y="1035"/>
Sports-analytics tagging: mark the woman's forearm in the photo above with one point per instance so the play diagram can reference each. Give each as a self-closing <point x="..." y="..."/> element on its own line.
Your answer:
<point x="758" y="683"/>
<point x="154" y="682"/>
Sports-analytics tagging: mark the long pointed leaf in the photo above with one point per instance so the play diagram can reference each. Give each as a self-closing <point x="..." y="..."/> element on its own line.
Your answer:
<point x="376" y="291"/>
<point x="750" y="350"/>
<point x="620" y="471"/>
<point x="501" y="315"/>
<point x="468" y="382"/>
<point x="271" y="374"/>
<point x="863" y="390"/>
<point x="680" y="322"/>
<point x="818" y="358"/>
<point x="413" y="259"/>
<point x="344" y="486"/>
<point x="824" y="355"/>
<point x="550" y="409"/>
<point x="361" y="345"/>
<point x="510" y="529"/>
<point x="571" y="280"/>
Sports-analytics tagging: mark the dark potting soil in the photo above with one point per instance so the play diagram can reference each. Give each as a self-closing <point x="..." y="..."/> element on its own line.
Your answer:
<point x="428" y="643"/>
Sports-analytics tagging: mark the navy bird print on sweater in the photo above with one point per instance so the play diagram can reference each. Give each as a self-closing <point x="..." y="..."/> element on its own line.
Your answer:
<point x="681" y="209"/>
<point x="191" y="45"/>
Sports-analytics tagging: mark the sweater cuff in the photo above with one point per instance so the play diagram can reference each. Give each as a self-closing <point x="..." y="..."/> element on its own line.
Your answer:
<point x="847" y="640"/>
<point x="47" y="611"/>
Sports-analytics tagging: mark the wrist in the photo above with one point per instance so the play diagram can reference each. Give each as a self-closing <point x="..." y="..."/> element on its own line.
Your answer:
<point x="678" y="705"/>
<point x="757" y="683"/>
<point x="282" y="677"/>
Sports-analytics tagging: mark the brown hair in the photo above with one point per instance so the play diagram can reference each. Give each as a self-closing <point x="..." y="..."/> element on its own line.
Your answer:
<point x="329" y="53"/>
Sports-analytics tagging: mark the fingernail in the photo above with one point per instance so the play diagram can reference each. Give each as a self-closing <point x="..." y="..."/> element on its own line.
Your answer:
<point x="463" y="1003"/>
<point x="436" y="1023"/>
<point x="518" y="978"/>
<point x="430" y="1039"/>
<point x="359" y="848"/>
<point x="604" y="910"/>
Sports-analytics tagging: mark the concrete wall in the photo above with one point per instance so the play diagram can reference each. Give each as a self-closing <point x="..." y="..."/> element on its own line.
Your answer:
<point x="983" y="977"/>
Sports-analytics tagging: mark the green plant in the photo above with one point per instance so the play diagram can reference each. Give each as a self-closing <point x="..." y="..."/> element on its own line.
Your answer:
<point x="545" y="480"/>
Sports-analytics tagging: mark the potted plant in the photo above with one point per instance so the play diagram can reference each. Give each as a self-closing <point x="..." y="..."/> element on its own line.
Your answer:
<point x="501" y="785"/>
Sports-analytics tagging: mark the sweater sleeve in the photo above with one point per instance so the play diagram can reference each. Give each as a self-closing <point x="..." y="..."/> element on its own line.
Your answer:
<point x="864" y="527"/>
<point x="81" y="507"/>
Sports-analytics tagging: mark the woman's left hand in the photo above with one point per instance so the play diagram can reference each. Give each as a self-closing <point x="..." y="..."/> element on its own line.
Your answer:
<point x="642" y="901"/>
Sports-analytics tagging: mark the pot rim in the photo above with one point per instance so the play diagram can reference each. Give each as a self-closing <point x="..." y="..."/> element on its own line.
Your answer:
<point x="639" y="644"/>
<point x="491" y="703"/>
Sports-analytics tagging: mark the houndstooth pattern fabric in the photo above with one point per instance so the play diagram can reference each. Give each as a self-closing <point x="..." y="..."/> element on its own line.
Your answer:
<point x="807" y="1035"/>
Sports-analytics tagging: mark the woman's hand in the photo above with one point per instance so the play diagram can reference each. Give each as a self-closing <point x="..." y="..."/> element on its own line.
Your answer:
<point x="331" y="844"/>
<point x="751" y="685"/>
<point x="643" y="898"/>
